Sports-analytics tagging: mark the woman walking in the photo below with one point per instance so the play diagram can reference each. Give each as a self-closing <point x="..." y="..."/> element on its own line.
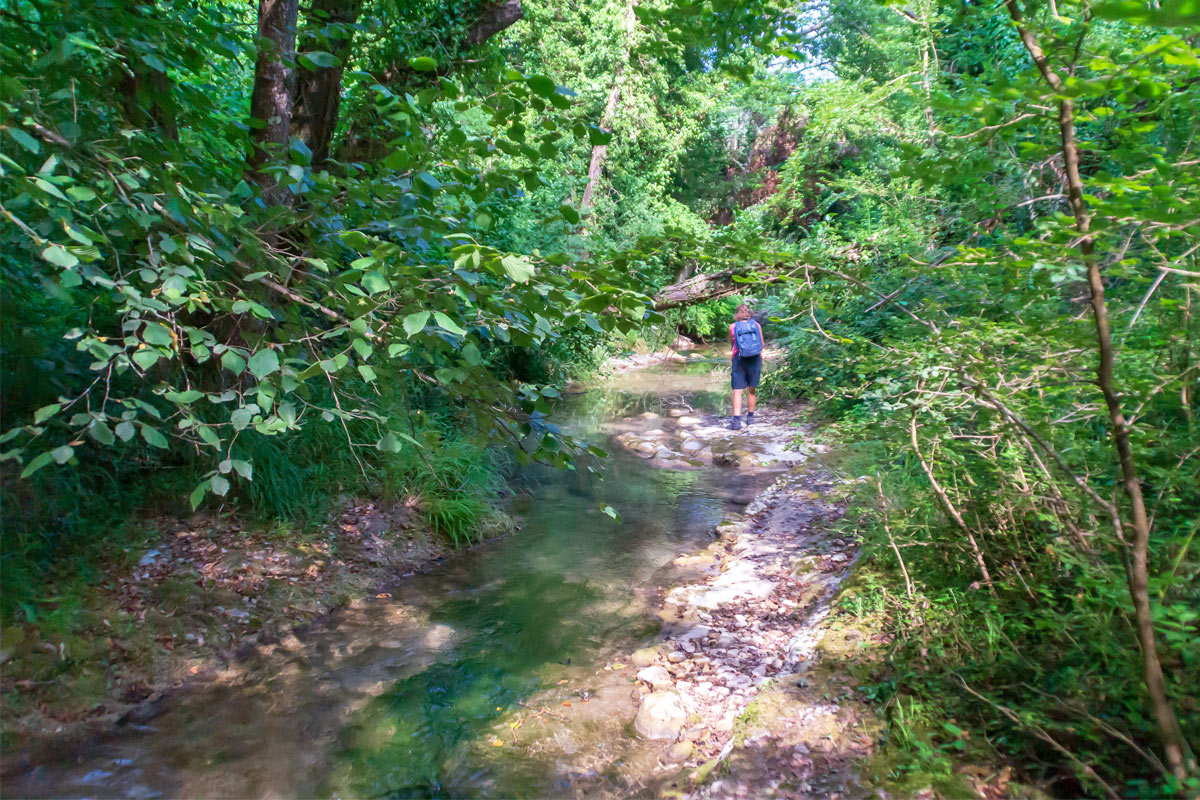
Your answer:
<point x="746" y="337"/>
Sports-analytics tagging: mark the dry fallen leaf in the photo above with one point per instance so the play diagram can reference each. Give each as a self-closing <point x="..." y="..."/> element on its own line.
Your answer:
<point x="566" y="703"/>
<point x="560" y="683"/>
<point x="497" y="743"/>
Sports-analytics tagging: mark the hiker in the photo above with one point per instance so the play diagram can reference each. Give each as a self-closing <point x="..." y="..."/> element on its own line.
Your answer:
<point x="746" y="336"/>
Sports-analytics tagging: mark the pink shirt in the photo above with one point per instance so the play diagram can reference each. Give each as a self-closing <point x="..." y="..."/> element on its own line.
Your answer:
<point x="733" y="341"/>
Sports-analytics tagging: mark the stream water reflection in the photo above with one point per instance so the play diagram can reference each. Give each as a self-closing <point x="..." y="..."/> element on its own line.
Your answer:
<point x="397" y="696"/>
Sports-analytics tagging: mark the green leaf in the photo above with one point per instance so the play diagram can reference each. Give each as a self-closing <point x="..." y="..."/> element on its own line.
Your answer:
<point x="36" y="464"/>
<point x="50" y="189"/>
<point x="28" y="142"/>
<point x="471" y="354"/>
<point x="46" y="412"/>
<point x="569" y="213"/>
<point x="1169" y="14"/>
<point x="598" y="136"/>
<point x="367" y="373"/>
<point x="423" y="64"/>
<point x="541" y="85"/>
<point x="389" y="444"/>
<point x="241" y="418"/>
<point x="233" y="362"/>
<point x="197" y="496"/>
<point x="146" y="358"/>
<point x="448" y="324"/>
<point x="263" y="363"/>
<point x="363" y="348"/>
<point x="316" y="59"/>
<point x="519" y="268"/>
<point x="62" y="455"/>
<point x="153" y="333"/>
<point x="125" y="431"/>
<point x="60" y="256"/>
<point x="374" y="283"/>
<point x="154" y="62"/>
<point x="220" y="486"/>
<point x="154" y="437"/>
<point x="415" y="323"/>
<point x="244" y="468"/>
<point x="81" y="193"/>
<point x="101" y="433"/>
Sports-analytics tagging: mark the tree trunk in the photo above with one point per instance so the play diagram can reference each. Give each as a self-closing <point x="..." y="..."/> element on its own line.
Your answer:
<point x="600" y="151"/>
<point x="494" y="18"/>
<point x="1173" y="743"/>
<point x="319" y="90"/>
<point x="147" y="92"/>
<point x="709" y="286"/>
<point x="271" y="99"/>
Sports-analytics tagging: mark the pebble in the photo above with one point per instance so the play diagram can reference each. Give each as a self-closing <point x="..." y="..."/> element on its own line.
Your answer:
<point x="676" y="656"/>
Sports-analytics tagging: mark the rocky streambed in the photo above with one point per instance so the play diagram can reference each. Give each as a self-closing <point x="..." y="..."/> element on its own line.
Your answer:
<point x="734" y="698"/>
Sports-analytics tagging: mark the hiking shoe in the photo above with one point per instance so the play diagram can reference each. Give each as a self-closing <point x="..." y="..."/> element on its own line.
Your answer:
<point x="735" y="423"/>
<point x="749" y="419"/>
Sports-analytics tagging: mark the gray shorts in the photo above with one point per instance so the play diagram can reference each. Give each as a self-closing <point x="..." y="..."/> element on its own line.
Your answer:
<point x="746" y="372"/>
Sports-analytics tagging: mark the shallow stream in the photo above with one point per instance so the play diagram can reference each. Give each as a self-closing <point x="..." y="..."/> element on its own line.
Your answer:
<point x="400" y="695"/>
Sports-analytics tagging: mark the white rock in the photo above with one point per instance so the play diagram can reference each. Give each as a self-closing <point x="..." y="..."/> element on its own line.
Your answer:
<point x="660" y="716"/>
<point x="656" y="676"/>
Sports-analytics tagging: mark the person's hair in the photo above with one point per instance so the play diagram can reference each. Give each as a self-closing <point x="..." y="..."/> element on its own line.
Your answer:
<point x="743" y="313"/>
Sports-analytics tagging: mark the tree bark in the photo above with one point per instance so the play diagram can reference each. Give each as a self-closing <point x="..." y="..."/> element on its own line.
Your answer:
<point x="319" y="91"/>
<point x="493" y="18"/>
<point x="271" y="99"/>
<point x="710" y="286"/>
<point x="1173" y="743"/>
<point x="600" y="151"/>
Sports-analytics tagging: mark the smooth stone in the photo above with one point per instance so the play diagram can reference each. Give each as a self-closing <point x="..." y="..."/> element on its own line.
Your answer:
<point x="675" y="656"/>
<point x="657" y="677"/>
<point x="690" y="421"/>
<point x="680" y="751"/>
<point x="660" y="716"/>
<point x="692" y="446"/>
<point x="649" y="415"/>
<point x="677" y="412"/>
<point x="644" y="657"/>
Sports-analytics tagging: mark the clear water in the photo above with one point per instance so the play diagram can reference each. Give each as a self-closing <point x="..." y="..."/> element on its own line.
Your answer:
<point x="399" y="696"/>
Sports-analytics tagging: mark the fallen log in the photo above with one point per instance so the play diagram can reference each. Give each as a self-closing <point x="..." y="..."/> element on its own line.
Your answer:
<point x="713" y="286"/>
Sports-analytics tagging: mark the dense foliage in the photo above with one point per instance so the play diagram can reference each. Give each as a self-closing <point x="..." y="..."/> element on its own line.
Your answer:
<point x="270" y="255"/>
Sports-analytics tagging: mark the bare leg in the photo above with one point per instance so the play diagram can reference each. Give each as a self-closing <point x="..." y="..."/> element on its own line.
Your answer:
<point x="737" y="402"/>
<point x="752" y="393"/>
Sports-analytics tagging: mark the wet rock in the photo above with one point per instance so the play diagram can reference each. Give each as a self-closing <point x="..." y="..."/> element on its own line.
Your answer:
<point x="657" y="677"/>
<point x="695" y="733"/>
<point x="689" y="421"/>
<point x="678" y="412"/>
<point x="692" y="446"/>
<point x="676" y="656"/>
<point x="644" y="657"/>
<point x="660" y="716"/>
<point x="649" y="415"/>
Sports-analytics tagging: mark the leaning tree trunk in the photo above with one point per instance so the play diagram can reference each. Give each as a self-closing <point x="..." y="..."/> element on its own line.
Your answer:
<point x="319" y="90"/>
<point x="711" y="286"/>
<point x="1173" y="742"/>
<point x="271" y="99"/>
<point x="600" y="151"/>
